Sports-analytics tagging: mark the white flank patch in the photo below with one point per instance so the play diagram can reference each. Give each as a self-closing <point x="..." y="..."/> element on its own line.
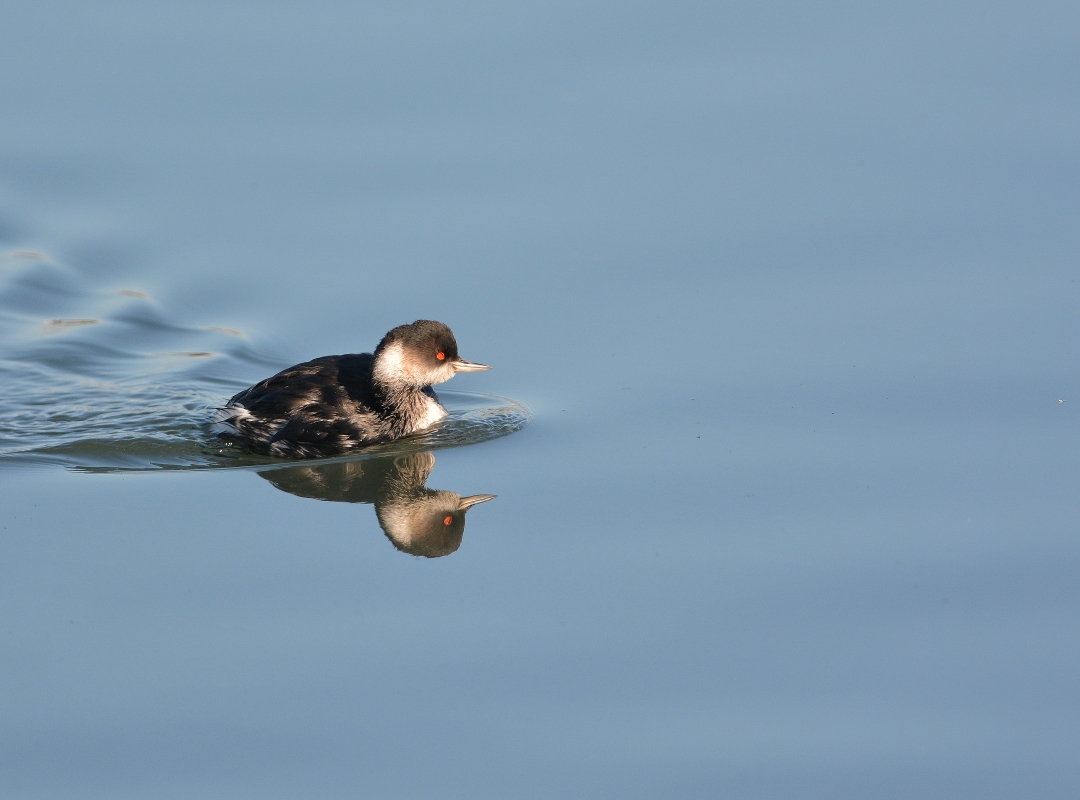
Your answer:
<point x="224" y="419"/>
<point x="433" y="412"/>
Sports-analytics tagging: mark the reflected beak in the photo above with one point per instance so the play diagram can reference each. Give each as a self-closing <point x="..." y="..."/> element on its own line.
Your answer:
<point x="461" y="365"/>
<point x="476" y="499"/>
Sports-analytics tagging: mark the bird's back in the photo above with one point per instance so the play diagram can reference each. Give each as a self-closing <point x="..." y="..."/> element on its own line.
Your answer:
<point x="321" y="407"/>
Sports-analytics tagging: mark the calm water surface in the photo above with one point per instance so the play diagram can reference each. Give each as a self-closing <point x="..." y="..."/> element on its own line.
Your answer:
<point x="782" y="430"/>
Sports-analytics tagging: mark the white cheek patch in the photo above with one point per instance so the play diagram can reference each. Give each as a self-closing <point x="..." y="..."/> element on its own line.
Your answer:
<point x="445" y="373"/>
<point x="396" y="366"/>
<point x="390" y="364"/>
<point x="427" y="375"/>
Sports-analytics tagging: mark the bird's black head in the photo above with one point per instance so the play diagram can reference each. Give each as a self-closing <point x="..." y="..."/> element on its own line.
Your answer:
<point x="420" y="354"/>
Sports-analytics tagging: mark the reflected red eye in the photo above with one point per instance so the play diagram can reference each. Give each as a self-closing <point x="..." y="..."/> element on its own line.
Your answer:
<point x="440" y="356"/>
<point x="447" y="521"/>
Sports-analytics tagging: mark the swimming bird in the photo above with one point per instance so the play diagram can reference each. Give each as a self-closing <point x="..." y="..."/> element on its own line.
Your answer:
<point x="336" y="404"/>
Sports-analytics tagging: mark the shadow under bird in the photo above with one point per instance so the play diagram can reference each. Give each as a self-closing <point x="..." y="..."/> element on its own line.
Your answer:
<point x="336" y="404"/>
<point x="417" y="520"/>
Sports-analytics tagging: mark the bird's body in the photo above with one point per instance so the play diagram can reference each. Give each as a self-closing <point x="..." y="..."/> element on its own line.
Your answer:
<point x="336" y="404"/>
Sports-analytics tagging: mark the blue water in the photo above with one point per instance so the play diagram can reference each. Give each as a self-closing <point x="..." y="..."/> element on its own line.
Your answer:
<point x="782" y="307"/>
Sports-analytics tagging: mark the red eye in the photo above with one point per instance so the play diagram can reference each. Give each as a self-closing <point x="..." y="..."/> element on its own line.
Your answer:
<point x="441" y="356"/>
<point x="447" y="521"/>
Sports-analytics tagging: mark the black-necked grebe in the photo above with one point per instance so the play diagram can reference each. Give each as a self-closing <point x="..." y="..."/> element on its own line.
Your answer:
<point x="336" y="404"/>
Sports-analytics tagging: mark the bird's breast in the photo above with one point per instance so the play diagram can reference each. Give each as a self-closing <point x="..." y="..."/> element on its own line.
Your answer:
<point x="431" y="412"/>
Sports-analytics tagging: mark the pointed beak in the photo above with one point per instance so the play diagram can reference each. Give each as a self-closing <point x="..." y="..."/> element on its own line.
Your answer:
<point x="474" y="500"/>
<point x="461" y="365"/>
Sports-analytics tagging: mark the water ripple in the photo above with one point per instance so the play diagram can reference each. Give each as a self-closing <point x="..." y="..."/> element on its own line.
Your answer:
<point x="103" y="379"/>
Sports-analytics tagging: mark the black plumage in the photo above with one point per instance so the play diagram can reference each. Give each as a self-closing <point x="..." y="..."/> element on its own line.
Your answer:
<point x="336" y="404"/>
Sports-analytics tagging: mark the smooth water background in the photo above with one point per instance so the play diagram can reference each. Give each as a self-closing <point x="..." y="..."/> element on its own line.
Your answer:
<point x="789" y="289"/>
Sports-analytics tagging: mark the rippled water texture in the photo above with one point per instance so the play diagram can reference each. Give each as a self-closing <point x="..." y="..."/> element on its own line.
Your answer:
<point x="788" y="289"/>
<point x="104" y="378"/>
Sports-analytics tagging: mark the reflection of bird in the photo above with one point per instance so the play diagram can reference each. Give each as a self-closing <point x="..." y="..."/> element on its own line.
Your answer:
<point x="335" y="404"/>
<point x="418" y="520"/>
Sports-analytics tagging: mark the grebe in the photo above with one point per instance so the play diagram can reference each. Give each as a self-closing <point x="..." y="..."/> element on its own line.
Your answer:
<point x="336" y="404"/>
